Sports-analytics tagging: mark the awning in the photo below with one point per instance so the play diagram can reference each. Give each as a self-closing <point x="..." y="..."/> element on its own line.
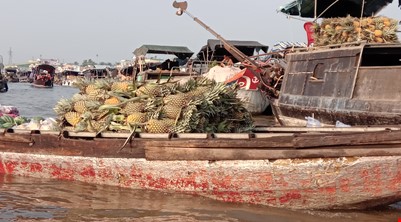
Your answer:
<point x="217" y="47"/>
<point x="342" y="8"/>
<point x="49" y="68"/>
<point x="180" y="51"/>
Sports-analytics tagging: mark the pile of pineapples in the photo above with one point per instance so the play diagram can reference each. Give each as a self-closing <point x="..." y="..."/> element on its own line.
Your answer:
<point x="351" y="29"/>
<point x="200" y="105"/>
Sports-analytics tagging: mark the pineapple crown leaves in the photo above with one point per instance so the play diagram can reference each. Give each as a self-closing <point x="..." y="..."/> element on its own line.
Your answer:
<point x="119" y="127"/>
<point x="118" y="118"/>
<point x="63" y="106"/>
<point x="189" y="122"/>
<point x="109" y="107"/>
<point x="81" y="84"/>
<point x="81" y="126"/>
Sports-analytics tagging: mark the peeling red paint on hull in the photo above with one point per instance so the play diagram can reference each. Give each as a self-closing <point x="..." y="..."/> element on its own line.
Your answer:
<point x="336" y="183"/>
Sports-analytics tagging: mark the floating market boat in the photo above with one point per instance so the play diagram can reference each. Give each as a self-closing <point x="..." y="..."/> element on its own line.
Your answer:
<point x="354" y="84"/>
<point x="351" y="73"/>
<point x="43" y="75"/>
<point x="298" y="168"/>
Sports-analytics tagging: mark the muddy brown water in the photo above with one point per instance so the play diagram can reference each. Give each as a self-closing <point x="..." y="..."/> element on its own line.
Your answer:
<point x="33" y="199"/>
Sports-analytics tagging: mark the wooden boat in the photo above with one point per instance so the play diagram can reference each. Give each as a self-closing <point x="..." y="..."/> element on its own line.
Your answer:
<point x="354" y="84"/>
<point x="298" y="168"/>
<point x="68" y="77"/>
<point x="3" y="86"/>
<point x="154" y="70"/>
<point x="43" y="75"/>
<point x="12" y="74"/>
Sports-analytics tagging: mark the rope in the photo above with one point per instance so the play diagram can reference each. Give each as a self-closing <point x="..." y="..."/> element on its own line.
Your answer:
<point x="360" y="20"/>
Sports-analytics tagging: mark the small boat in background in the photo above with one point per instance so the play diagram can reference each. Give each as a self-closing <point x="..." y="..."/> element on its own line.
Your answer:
<point x="43" y="76"/>
<point x="11" y="73"/>
<point x="69" y="77"/>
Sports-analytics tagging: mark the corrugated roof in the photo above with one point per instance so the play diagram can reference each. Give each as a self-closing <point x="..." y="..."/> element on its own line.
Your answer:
<point x="215" y="43"/>
<point x="180" y="51"/>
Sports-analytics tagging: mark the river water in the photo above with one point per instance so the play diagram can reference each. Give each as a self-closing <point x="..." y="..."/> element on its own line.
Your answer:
<point x="33" y="199"/>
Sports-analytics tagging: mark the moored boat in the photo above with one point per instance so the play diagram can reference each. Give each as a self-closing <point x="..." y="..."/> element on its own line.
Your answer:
<point x="354" y="85"/>
<point x="350" y="70"/>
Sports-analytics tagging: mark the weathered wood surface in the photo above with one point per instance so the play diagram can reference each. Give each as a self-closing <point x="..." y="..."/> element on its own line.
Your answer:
<point x="222" y="147"/>
<point x="169" y="153"/>
<point x="57" y="145"/>
<point x="281" y="147"/>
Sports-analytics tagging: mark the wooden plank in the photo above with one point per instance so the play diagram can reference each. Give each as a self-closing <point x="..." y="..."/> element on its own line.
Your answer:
<point x="279" y="141"/>
<point x="55" y="145"/>
<point x="159" y="153"/>
<point x="304" y="140"/>
<point x="325" y="129"/>
<point x="16" y="138"/>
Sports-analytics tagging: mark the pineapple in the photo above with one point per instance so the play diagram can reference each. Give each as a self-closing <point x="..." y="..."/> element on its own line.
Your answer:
<point x="157" y="126"/>
<point x="72" y="118"/>
<point x="168" y="122"/>
<point x="180" y="99"/>
<point x="80" y="106"/>
<point x="90" y="89"/>
<point x="136" y="118"/>
<point x="149" y="89"/>
<point x="132" y="107"/>
<point x="120" y="86"/>
<point x="112" y="101"/>
<point x="98" y="94"/>
<point x="171" y="111"/>
<point x="200" y="91"/>
<point x="95" y="126"/>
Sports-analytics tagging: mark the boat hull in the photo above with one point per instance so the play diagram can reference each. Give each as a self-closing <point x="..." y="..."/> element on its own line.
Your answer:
<point x="42" y="84"/>
<point x="286" y="170"/>
<point x="329" y="183"/>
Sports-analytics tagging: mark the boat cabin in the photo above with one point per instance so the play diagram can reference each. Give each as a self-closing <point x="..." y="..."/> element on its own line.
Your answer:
<point x="177" y="62"/>
<point x="355" y="84"/>
<point x="214" y="49"/>
<point x="97" y="71"/>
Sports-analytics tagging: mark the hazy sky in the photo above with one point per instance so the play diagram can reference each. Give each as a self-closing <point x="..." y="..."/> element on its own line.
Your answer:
<point x="109" y="30"/>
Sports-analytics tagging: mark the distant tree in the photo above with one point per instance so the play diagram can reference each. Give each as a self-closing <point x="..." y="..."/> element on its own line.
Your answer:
<point x="76" y="63"/>
<point x="89" y="62"/>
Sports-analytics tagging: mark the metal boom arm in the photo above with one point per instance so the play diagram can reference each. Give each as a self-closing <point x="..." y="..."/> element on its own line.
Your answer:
<point x="182" y="6"/>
